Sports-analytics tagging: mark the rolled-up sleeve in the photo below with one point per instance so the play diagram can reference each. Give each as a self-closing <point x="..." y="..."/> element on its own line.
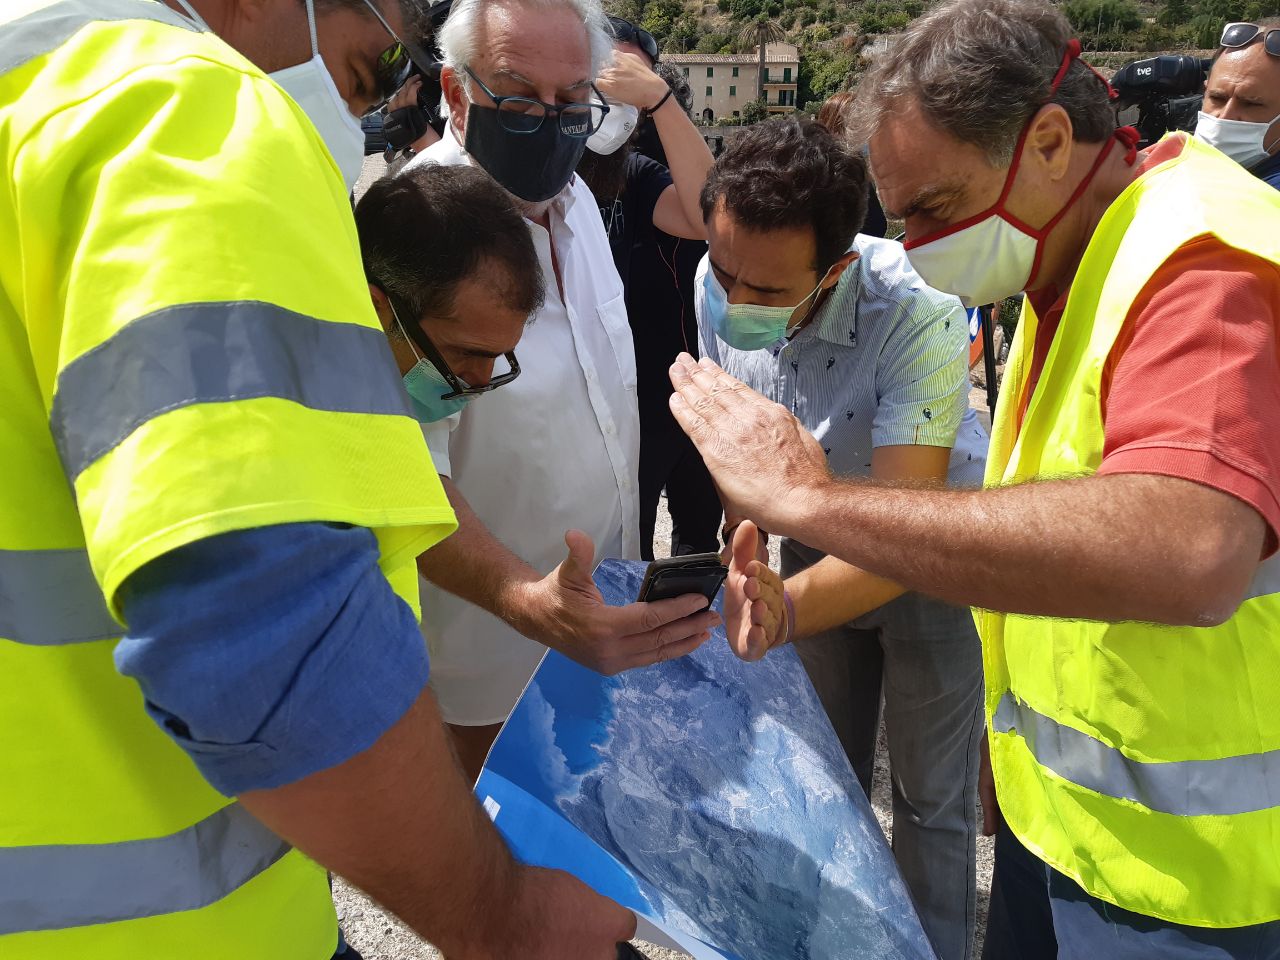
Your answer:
<point x="922" y="379"/>
<point x="272" y="653"/>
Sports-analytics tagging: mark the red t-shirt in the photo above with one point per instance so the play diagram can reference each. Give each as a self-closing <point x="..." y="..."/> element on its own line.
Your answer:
<point x="1192" y="384"/>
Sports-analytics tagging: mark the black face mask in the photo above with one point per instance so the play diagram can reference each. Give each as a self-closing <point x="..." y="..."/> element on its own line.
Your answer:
<point x="533" y="166"/>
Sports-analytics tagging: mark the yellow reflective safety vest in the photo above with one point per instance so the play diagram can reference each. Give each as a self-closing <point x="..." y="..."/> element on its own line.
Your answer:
<point x="1142" y="761"/>
<point x="187" y="347"/>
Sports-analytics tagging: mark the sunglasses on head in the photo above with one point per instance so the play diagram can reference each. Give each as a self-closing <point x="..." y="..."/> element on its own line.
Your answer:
<point x="1236" y="35"/>
<point x="395" y="64"/>
<point x="624" y="31"/>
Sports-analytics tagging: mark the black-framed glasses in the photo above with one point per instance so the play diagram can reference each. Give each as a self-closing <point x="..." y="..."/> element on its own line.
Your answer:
<point x="525" y="114"/>
<point x="1236" y="35"/>
<point x="624" y="31"/>
<point x="433" y="356"/>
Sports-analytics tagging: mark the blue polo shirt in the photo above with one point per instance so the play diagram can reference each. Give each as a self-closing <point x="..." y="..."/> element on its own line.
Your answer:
<point x="885" y="362"/>
<point x="1269" y="172"/>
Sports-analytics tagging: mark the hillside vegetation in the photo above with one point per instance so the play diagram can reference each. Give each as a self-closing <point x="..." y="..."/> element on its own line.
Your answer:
<point x="833" y="34"/>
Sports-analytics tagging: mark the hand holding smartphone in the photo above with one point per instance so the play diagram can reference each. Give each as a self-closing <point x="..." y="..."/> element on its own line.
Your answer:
<point x="676" y="576"/>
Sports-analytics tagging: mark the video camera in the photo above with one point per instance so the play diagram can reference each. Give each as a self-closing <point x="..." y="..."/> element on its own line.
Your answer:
<point x="1166" y="90"/>
<point x="403" y="126"/>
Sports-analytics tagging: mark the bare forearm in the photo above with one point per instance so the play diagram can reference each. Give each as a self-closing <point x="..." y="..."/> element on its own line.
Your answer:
<point x="475" y="565"/>
<point x="1126" y="547"/>
<point x="399" y="822"/>
<point x="689" y="159"/>
<point x="833" y="592"/>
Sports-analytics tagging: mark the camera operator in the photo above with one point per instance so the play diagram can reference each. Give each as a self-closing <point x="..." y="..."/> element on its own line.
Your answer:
<point x="405" y="110"/>
<point x="1241" y="112"/>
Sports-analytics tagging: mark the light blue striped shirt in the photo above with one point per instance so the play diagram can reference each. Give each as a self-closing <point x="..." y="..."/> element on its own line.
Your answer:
<point x="885" y="362"/>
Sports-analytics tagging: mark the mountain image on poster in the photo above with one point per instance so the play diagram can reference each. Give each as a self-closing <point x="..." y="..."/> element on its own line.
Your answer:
<point x="709" y="795"/>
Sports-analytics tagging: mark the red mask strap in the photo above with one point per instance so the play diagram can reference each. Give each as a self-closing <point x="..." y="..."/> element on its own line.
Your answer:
<point x="1073" y="53"/>
<point x="1076" y="194"/>
<point x="1129" y="136"/>
<point x="1079" y="190"/>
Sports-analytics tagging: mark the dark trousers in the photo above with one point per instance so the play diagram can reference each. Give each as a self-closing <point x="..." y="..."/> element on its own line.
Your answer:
<point x="1038" y="913"/>
<point x="669" y="459"/>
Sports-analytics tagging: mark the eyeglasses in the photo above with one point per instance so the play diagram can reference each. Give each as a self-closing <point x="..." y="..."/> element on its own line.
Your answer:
<point x="1236" y="35"/>
<point x="624" y="31"/>
<point x="394" y="64"/>
<point x="525" y="115"/>
<point x="460" y="387"/>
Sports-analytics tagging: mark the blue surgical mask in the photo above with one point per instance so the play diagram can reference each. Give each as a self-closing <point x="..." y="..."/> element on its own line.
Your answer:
<point x="425" y="384"/>
<point x="426" y="390"/>
<point x="748" y="326"/>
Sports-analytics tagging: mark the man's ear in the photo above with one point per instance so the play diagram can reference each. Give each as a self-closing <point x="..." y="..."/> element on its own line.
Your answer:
<point x="456" y="97"/>
<point x="382" y="306"/>
<point x="1049" y="142"/>
<point x="838" y="268"/>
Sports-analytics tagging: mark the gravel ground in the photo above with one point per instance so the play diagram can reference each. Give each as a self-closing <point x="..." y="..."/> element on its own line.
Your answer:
<point x="380" y="936"/>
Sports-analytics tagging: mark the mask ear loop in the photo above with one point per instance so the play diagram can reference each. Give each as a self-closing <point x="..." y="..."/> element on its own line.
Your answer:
<point x="194" y="14"/>
<point x="816" y="295"/>
<point x="311" y="26"/>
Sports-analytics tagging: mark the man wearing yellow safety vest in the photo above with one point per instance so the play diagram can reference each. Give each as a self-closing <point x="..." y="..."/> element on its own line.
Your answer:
<point x="1122" y="559"/>
<point x="204" y="446"/>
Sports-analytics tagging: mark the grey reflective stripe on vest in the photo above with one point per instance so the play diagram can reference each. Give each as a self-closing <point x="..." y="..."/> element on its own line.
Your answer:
<point x="215" y="353"/>
<point x="74" y="885"/>
<point x="45" y="30"/>
<point x="50" y="596"/>
<point x="1187" y="788"/>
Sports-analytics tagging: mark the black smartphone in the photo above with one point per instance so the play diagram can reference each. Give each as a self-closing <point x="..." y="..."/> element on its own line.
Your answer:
<point x="675" y="576"/>
<point x="627" y="952"/>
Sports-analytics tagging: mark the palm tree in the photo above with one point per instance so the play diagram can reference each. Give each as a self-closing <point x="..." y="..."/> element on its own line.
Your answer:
<point x="762" y="31"/>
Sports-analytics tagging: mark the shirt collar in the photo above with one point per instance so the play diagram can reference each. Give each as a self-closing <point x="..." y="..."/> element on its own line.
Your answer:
<point x="837" y="320"/>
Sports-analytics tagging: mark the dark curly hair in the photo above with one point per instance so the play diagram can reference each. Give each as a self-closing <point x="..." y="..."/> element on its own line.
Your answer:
<point x="792" y="173"/>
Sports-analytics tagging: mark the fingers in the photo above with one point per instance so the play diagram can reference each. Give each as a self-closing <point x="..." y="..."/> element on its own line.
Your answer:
<point x="579" y="561"/>
<point x="636" y="619"/>
<point x="758" y="629"/>
<point x="671" y="651"/>
<point x="746" y="539"/>
<point x="671" y="640"/>
<point x="407" y="94"/>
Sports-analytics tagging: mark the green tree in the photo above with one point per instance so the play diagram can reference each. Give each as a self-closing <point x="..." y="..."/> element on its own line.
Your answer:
<point x="660" y="16"/>
<point x="754" y="111"/>
<point x="761" y="31"/>
<point x="1102" y="18"/>
<point x="823" y="73"/>
<point x="712" y="42"/>
<point x="1174" y="13"/>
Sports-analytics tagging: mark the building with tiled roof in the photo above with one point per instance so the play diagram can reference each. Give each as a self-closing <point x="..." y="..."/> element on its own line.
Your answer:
<point x="724" y="83"/>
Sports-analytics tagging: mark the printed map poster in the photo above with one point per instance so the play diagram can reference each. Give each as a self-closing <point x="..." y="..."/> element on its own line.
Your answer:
<point x="707" y="794"/>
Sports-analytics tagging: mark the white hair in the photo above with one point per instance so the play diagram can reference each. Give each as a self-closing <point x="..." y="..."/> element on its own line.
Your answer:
<point x="460" y="33"/>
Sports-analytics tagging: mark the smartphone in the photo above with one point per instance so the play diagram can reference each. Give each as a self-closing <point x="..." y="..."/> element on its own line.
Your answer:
<point x="675" y="576"/>
<point x="627" y="952"/>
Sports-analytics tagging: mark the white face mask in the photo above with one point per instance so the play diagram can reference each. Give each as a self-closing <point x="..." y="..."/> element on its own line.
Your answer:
<point x="312" y="88"/>
<point x="1243" y="141"/>
<point x="616" y="128"/>
<point x="993" y="254"/>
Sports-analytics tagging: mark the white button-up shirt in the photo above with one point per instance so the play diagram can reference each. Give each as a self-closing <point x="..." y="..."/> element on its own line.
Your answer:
<point x="556" y="449"/>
